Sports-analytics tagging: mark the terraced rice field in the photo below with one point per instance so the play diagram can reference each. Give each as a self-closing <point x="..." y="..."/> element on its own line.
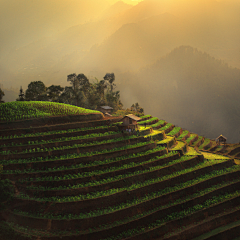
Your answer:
<point x="84" y="179"/>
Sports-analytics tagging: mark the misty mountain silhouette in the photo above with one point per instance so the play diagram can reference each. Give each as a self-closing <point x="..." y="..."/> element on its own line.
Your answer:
<point x="189" y="88"/>
<point x="129" y="40"/>
<point x="118" y="8"/>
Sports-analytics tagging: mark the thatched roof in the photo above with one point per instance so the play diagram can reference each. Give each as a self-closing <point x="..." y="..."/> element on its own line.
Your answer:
<point x="132" y="116"/>
<point x="221" y="136"/>
<point x="106" y="107"/>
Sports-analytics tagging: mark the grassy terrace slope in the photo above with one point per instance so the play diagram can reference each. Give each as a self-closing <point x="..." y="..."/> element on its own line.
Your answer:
<point x="76" y="176"/>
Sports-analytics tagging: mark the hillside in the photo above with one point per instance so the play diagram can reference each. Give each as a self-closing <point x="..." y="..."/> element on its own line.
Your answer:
<point x="191" y="89"/>
<point x="76" y="177"/>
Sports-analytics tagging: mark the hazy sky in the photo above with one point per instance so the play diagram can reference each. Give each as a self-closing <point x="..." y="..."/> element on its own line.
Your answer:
<point x="132" y="2"/>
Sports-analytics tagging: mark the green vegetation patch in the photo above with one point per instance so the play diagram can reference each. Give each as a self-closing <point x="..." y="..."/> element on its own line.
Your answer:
<point x="179" y="146"/>
<point x="147" y="197"/>
<point x="192" y="151"/>
<point x="92" y="135"/>
<point x="192" y="136"/>
<point x="174" y="131"/>
<point x="145" y="116"/>
<point x="184" y="133"/>
<point x="83" y="165"/>
<point x="166" y="140"/>
<point x="149" y="120"/>
<point x="75" y="155"/>
<point x="212" y="156"/>
<point x="205" y="143"/>
<point x="137" y="185"/>
<point x="170" y="217"/>
<point x="99" y="172"/>
<point x="175" y="215"/>
<point x="168" y="125"/>
<point x="53" y="132"/>
<point x="18" y="110"/>
<point x="115" y="140"/>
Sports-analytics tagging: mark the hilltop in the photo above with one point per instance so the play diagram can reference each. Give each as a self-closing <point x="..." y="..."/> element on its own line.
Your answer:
<point x="83" y="178"/>
<point x="22" y="114"/>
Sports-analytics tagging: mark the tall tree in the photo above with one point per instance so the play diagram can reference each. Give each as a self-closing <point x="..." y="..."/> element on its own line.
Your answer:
<point x="36" y="92"/>
<point x="113" y="100"/>
<point x="94" y="99"/>
<point x="110" y="77"/>
<point x="21" y="95"/>
<point x="80" y="85"/>
<point x="67" y="96"/>
<point x="101" y="86"/>
<point x="54" y="92"/>
<point x="84" y="83"/>
<point x="1" y="95"/>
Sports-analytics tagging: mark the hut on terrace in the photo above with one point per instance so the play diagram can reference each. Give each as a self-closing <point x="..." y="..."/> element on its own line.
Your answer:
<point x="221" y="139"/>
<point x="105" y="110"/>
<point x="129" y="122"/>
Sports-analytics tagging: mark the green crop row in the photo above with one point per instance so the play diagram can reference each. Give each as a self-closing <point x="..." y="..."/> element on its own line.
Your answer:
<point x="174" y="131"/>
<point x="131" y="187"/>
<point x="52" y="132"/>
<point x="214" y="200"/>
<point x="69" y="147"/>
<point x="135" y="201"/>
<point x="82" y="165"/>
<point x="93" y="135"/>
<point x="165" y="127"/>
<point x="74" y="198"/>
<point x="184" y="133"/>
<point x="175" y="174"/>
<point x="192" y="136"/>
<point x="206" y="142"/>
<point x="197" y="141"/>
<point x="145" y="116"/>
<point x="12" y="111"/>
<point x="192" y="151"/>
<point x="75" y="233"/>
<point x="98" y="172"/>
<point x="175" y="215"/>
<point x="160" y="122"/>
<point x="75" y="155"/>
<point x="213" y="156"/>
<point x="149" y="120"/>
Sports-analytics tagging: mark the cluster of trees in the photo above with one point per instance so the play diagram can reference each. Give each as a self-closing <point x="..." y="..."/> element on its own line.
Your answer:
<point x="135" y="109"/>
<point x="82" y="93"/>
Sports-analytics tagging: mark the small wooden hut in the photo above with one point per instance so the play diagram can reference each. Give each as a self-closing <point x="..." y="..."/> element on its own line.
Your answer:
<point x="105" y="109"/>
<point x="221" y="139"/>
<point x="129" y="122"/>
